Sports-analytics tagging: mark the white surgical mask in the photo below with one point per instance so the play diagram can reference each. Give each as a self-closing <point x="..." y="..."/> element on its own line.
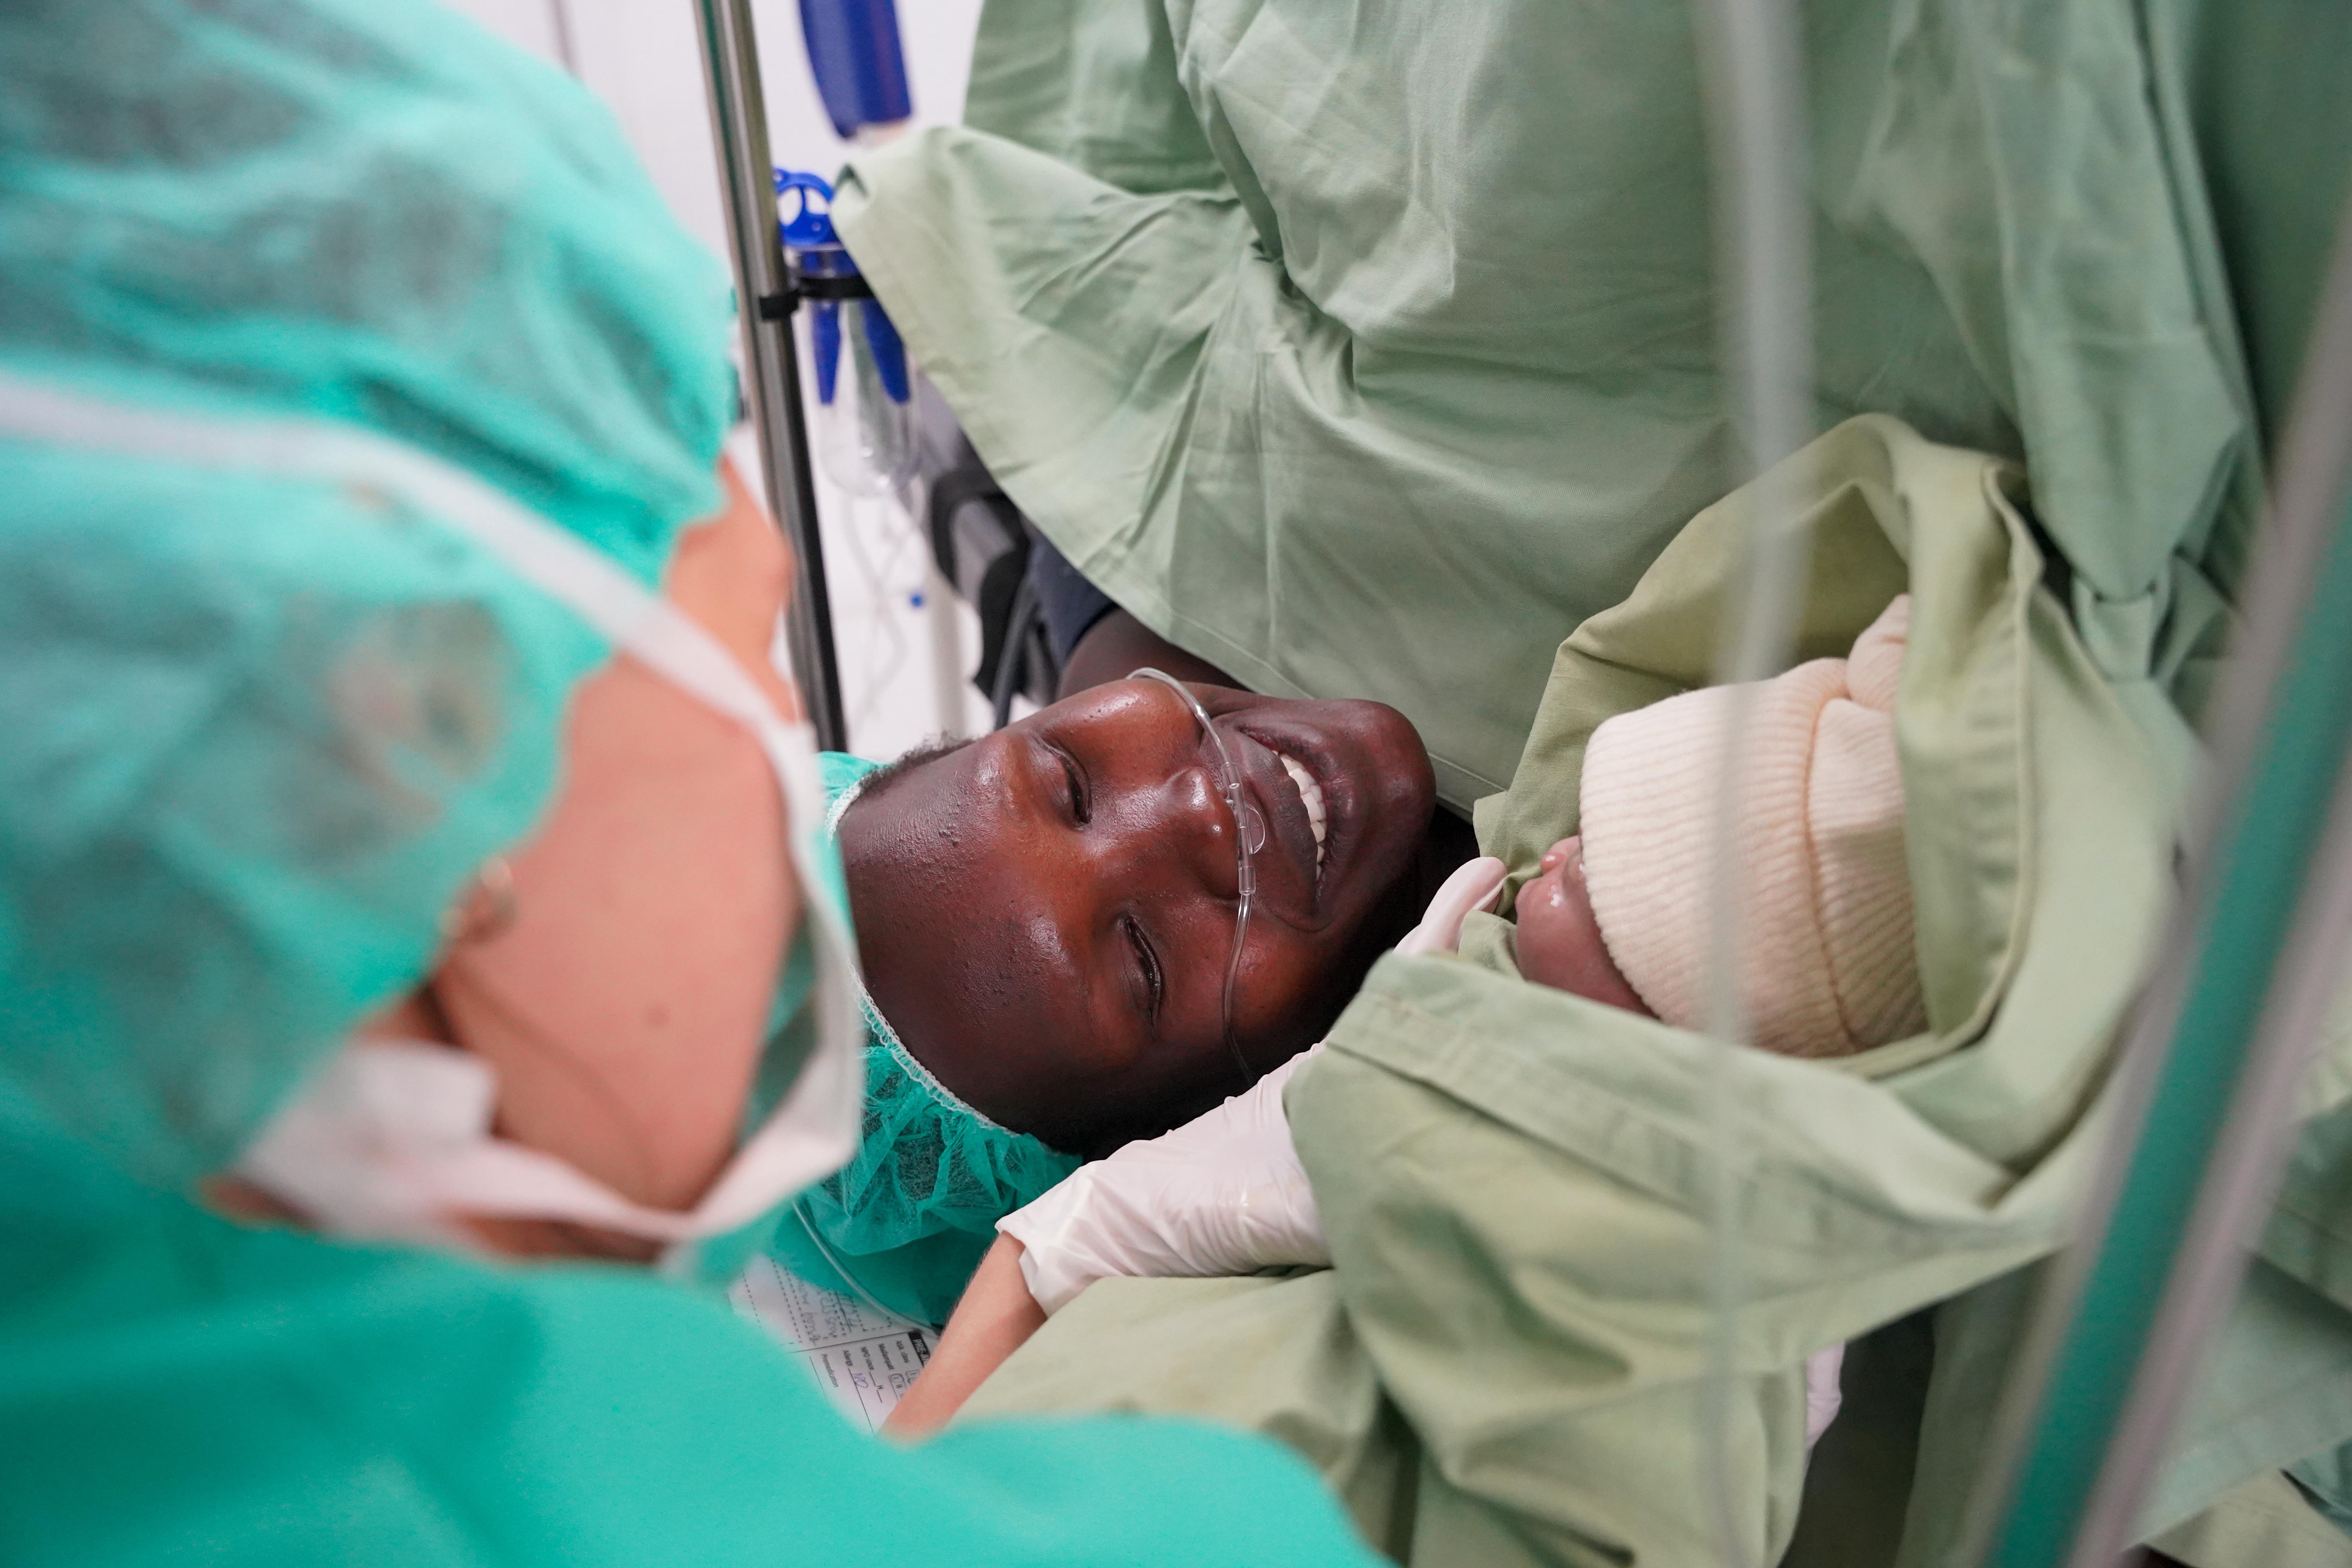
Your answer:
<point x="393" y="1140"/>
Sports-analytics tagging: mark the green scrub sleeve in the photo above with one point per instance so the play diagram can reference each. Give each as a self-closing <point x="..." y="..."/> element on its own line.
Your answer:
<point x="179" y="1389"/>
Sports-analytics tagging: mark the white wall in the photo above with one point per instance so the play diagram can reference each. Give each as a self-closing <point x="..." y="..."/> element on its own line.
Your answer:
<point x="643" y="57"/>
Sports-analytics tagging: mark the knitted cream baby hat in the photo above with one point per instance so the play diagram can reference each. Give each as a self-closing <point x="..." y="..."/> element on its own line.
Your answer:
<point x="1831" y="968"/>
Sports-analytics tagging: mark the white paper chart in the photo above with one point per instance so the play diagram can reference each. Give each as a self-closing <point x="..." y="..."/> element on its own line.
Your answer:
<point x="862" y="1357"/>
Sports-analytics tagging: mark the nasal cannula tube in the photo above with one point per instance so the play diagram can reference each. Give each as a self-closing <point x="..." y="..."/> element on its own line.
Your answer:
<point x="1249" y="836"/>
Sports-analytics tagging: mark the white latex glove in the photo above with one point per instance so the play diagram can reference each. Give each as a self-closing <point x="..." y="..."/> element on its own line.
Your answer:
<point x="1223" y="1194"/>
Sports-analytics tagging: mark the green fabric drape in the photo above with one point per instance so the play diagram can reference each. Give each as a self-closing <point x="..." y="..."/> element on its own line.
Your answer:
<point x="1368" y="349"/>
<point x="1514" y="1179"/>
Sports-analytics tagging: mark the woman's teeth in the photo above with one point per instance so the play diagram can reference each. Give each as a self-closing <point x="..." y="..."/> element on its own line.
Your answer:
<point x="1311" y="794"/>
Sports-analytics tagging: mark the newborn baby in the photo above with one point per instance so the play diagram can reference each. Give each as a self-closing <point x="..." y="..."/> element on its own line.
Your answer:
<point x="1619" y="913"/>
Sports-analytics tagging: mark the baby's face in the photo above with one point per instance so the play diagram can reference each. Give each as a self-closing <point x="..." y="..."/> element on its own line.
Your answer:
<point x="1559" y="943"/>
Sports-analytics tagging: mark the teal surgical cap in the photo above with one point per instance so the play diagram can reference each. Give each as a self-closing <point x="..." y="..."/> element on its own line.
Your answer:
<point x="906" y="1222"/>
<point x="259" y="727"/>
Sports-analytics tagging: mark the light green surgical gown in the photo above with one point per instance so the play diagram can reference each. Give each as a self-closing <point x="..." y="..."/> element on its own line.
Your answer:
<point x="259" y="730"/>
<point x="1365" y="349"/>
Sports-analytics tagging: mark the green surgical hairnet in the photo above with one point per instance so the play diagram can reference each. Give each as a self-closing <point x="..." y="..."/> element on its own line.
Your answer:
<point x="907" y="1220"/>
<point x="261" y="729"/>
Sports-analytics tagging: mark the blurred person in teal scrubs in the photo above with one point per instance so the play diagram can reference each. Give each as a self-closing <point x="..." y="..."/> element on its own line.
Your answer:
<point x="407" y="856"/>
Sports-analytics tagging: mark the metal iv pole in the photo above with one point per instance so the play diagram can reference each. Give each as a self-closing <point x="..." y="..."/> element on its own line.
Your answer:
<point x="765" y="296"/>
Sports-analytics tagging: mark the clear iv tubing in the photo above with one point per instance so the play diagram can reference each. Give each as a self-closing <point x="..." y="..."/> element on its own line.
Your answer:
<point x="1753" y="74"/>
<point x="1249" y="836"/>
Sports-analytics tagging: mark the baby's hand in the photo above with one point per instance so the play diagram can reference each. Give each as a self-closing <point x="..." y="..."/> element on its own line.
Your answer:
<point x="1560" y="941"/>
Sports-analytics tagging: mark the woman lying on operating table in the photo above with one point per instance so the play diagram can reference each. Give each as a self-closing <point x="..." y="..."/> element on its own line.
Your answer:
<point x="1045" y="919"/>
<point x="1616" y="914"/>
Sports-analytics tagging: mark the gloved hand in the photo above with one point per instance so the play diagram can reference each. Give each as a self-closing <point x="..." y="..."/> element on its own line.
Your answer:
<point x="1223" y="1194"/>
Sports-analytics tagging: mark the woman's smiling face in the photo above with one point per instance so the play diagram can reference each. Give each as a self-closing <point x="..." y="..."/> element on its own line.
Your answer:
<point x="1047" y="914"/>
